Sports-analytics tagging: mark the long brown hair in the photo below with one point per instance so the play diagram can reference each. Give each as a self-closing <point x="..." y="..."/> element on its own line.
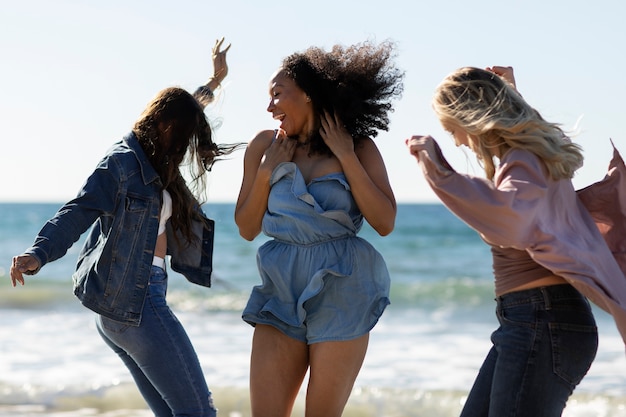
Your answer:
<point x="173" y="126"/>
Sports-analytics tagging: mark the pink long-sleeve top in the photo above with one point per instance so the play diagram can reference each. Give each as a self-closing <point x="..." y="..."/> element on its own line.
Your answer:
<point x="522" y="209"/>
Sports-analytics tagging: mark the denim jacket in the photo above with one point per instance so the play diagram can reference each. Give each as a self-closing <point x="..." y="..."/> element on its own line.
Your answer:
<point x="121" y="202"/>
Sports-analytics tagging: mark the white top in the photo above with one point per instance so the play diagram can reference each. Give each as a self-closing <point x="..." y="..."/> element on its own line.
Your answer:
<point x="166" y="211"/>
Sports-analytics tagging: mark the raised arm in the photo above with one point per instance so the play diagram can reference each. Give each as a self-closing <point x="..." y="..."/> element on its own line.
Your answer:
<point x="205" y="94"/>
<point x="504" y="211"/>
<point x="366" y="173"/>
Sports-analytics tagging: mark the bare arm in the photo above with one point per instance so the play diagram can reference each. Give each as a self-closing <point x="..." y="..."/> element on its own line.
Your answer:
<point x="204" y="94"/>
<point x="263" y="154"/>
<point x="366" y="173"/>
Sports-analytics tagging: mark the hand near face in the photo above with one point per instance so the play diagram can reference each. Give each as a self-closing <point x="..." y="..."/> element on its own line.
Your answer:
<point x="280" y="150"/>
<point x="418" y="143"/>
<point x="22" y="264"/>
<point x="335" y="135"/>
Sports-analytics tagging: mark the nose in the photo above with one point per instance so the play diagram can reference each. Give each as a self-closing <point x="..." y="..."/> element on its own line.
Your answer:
<point x="271" y="106"/>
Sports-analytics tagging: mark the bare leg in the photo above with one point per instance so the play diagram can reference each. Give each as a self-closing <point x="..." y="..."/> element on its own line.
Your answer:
<point x="277" y="368"/>
<point x="334" y="368"/>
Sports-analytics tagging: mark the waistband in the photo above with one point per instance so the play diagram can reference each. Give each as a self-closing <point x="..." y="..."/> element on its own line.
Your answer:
<point x="157" y="261"/>
<point x="549" y="295"/>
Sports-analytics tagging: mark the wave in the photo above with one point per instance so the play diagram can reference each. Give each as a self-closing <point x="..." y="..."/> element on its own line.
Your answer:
<point x="124" y="400"/>
<point x="458" y="293"/>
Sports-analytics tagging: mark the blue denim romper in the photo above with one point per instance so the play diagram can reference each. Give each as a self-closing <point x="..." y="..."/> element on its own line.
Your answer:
<point x="320" y="282"/>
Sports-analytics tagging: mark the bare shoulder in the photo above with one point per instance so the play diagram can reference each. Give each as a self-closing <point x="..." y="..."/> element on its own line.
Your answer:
<point x="261" y="141"/>
<point x="263" y="138"/>
<point x="367" y="149"/>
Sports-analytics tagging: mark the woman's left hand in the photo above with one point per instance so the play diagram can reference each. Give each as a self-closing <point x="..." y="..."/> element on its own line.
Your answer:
<point x="335" y="135"/>
<point x="504" y="72"/>
<point x="220" y="67"/>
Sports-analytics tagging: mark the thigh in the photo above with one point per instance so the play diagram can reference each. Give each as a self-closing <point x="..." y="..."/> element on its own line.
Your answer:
<point x="278" y="364"/>
<point x="152" y="397"/>
<point x="477" y="403"/>
<point x="163" y="351"/>
<point x="334" y="367"/>
<point x="543" y="353"/>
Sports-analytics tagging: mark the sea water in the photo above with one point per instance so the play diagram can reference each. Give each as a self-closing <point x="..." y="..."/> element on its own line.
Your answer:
<point x="422" y="359"/>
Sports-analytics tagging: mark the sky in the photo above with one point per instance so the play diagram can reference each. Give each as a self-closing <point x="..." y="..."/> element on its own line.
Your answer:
<point x="75" y="75"/>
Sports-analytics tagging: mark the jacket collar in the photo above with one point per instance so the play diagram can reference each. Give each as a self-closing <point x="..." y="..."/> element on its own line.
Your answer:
<point x="148" y="173"/>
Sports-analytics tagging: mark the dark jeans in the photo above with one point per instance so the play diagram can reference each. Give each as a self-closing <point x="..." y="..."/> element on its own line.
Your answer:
<point x="544" y="346"/>
<point x="160" y="357"/>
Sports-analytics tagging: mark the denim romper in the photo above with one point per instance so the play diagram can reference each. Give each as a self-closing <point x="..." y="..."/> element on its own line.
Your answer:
<point x="320" y="282"/>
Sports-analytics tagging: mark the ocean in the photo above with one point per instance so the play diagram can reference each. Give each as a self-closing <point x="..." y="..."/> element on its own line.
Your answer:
<point x="422" y="358"/>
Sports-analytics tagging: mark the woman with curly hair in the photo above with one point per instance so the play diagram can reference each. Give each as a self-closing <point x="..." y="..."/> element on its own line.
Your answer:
<point x="140" y="209"/>
<point x="308" y="185"/>
<point x="545" y="244"/>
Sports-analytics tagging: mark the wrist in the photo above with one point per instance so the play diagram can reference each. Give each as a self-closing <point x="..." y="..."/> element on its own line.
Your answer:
<point x="213" y="83"/>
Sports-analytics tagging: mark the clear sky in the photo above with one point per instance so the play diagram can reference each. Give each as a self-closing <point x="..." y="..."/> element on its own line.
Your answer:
<point x="75" y="75"/>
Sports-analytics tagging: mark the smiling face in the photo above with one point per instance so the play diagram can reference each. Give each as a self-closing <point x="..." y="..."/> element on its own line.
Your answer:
<point x="290" y="105"/>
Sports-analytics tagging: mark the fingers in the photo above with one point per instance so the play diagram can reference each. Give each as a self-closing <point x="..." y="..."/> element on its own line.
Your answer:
<point x="505" y="72"/>
<point x="283" y="144"/>
<point x="19" y="265"/>
<point x="416" y="140"/>
<point x="218" y="46"/>
<point x="25" y="263"/>
<point x="416" y="143"/>
<point x="499" y="69"/>
<point x="329" y="123"/>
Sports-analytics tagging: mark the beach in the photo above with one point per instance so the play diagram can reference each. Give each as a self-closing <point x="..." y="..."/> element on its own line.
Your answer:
<point x="423" y="355"/>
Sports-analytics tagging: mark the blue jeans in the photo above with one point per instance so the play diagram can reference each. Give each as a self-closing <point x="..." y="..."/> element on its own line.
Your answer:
<point x="544" y="346"/>
<point x="160" y="356"/>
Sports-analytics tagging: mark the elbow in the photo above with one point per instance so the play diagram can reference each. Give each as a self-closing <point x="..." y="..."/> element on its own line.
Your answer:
<point x="247" y="232"/>
<point x="249" y="236"/>
<point x="384" y="231"/>
<point x="246" y="229"/>
<point x="385" y="228"/>
<point x="387" y="222"/>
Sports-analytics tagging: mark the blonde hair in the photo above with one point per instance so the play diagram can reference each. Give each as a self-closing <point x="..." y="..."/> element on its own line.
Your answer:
<point x="489" y="108"/>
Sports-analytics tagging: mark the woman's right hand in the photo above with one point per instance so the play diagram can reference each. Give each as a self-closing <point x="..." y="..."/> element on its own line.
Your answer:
<point x="280" y="150"/>
<point x="22" y="264"/>
<point x="263" y="154"/>
<point x="418" y="143"/>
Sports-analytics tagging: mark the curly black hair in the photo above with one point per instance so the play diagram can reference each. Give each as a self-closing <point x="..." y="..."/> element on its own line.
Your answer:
<point x="357" y="82"/>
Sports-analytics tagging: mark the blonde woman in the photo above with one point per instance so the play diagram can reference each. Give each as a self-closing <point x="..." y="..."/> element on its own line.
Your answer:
<point x="545" y="245"/>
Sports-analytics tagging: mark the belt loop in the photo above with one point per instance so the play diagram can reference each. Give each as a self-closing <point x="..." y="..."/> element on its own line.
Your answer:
<point x="546" y="298"/>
